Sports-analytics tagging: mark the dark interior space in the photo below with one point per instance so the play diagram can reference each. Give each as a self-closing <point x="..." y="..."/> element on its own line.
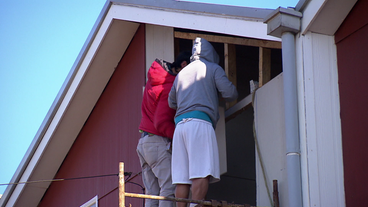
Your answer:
<point x="276" y="62"/>
<point x="246" y="68"/>
<point x="182" y="45"/>
<point x="238" y="185"/>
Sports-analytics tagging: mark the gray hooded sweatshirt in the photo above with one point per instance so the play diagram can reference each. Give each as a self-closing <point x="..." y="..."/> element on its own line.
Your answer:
<point x="197" y="86"/>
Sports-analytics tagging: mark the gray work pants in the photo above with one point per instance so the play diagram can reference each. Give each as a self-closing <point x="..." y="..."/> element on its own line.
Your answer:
<point x="155" y="158"/>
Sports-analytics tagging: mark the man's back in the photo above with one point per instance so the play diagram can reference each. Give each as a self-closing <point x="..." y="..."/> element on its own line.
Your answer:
<point x="196" y="87"/>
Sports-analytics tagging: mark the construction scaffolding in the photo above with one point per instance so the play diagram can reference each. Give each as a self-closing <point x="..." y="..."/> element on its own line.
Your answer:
<point x="123" y="194"/>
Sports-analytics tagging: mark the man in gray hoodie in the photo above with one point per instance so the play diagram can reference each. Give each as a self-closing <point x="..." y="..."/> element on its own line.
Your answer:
<point x="194" y="95"/>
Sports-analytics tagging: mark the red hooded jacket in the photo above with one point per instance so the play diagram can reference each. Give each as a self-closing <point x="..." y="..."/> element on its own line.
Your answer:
<point x="157" y="116"/>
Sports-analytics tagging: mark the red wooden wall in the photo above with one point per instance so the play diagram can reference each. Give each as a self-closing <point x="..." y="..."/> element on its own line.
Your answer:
<point x="352" y="55"/>
<point x="109" y="136"/>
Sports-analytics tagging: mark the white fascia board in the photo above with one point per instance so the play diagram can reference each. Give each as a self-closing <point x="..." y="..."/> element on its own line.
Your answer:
<point x="61" y="110"/>
<point x="302" y="117"/>
<point x="230" y="25"/>
<point x="325" y="17"/>
<point x="310" y="13"/>
<point x="321" y="140"/>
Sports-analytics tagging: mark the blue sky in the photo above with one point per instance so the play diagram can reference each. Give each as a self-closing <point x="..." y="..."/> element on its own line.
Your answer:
<point x="39" y="42"/>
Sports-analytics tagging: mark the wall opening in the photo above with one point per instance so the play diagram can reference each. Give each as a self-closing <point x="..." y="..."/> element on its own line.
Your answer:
<point x="243" y="59"/>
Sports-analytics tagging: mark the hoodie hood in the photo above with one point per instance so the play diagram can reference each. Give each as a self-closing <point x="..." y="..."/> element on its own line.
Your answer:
<point x="160" y="73"/>
<point x="202" y="49"/>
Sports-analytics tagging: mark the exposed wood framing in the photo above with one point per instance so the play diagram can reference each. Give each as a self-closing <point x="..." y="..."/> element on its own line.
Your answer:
<point x="264" y="65"/>
<point x="121" y="185"/>
<point x="230" y="40"/>
<point x="230" y="66"/>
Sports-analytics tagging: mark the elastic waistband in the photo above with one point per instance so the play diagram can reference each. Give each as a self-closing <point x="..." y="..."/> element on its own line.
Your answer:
<point x="143" y="133"/>
<point x="193" y="114"/>
<point x="154" y="137"/>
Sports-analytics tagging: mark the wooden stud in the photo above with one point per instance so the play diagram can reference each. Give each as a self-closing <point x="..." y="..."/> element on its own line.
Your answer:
<point x="264" y="65"/>
<point x="121" y="185"/>
<point x="238" y="107"/>
<point x="276" y="202"/>
<point x="230" y="62"/>
<point x="230" y="66"/>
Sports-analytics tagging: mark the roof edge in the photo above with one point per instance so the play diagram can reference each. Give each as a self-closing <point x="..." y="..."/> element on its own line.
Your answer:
<point x="301" y="5"/>
<point x="202" y="8"/>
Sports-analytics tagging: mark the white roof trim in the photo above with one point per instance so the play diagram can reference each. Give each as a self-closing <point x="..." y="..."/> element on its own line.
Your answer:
<point x="245" y="27"/>
<point x="324" y="16"/>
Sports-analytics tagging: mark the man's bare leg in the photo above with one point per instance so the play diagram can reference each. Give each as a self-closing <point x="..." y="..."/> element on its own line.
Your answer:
<point x="182" y="191"/>
<point x="199" y="188"/>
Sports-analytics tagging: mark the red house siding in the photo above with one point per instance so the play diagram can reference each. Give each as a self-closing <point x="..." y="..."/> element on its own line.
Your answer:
<point x="109" y="136"/>
<point x="352" y="55"/>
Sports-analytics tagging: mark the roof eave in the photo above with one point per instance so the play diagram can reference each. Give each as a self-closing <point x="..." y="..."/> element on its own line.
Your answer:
<point x="201" y="8"/>
<point x="324" y="16"/>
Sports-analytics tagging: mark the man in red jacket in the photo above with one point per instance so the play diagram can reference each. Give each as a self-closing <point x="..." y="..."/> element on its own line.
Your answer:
<point x="157" y="127"/>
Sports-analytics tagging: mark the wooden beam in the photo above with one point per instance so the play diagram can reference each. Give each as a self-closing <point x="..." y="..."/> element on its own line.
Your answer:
<point x="238" y="108"/>
<point x="230" y="62"/>
<point x="264" y="65"/>
<point x="276" y="201"/>
<point x="121" y="185"/>
<point x="230" y="40"/>
<point x="230" y="66"/>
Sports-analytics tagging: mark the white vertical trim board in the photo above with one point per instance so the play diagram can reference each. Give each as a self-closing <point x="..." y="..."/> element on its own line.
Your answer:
<point x="221" y="140"/>
<point x="302" y="118"/>
<point x="322" y="122"/>
<point x="159" y="44"/>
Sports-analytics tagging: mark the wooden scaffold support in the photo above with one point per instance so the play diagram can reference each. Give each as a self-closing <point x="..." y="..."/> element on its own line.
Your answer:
<point x="121" y="185"/>
<point x="123" y="194"/>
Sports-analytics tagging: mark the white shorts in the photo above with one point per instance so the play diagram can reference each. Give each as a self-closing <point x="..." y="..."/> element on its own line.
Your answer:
<point x="195" y="152"/>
